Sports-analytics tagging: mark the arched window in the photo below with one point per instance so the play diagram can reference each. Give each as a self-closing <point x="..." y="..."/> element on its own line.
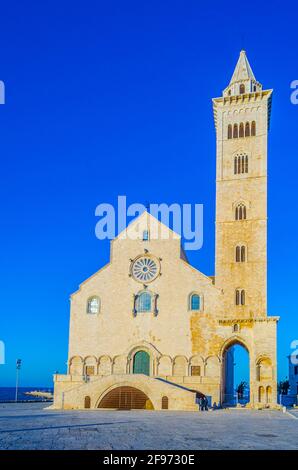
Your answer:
<point x="246" y="164"/>
<point x="240" y="164"/>
<point x="243" y="164"/>
<point x="235" y="131"/>
<point x="144" y="302"/>
<point x="230" y="132"/>
<point x="240" y="212"/>
<point x="195" y="302"/>
<point x="253" y="128"/>
<point x="145" y="235"/>
<point x="247" y="129"/>
<point x="93" y="305"/>
<point x="240" y="254"/>
<point x="237" y="254"/>
<point x="235" y="165"/>
<point x="241" y="130"/>
<point x="236" y="328"/>
<point x="242" y="89"/>
<point x="240" y="297"/>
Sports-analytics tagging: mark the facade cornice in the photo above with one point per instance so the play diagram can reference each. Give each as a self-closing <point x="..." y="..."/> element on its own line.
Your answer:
<point x="246" y="98"/>
<point x="231" y="321"/>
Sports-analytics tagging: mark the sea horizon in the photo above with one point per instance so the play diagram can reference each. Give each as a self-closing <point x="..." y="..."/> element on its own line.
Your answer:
<point x="8" y="393"/>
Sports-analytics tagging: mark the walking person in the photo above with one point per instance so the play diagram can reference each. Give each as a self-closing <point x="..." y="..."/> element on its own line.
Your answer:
<point x="198" y="401"/>
<point x="201" y="403"/>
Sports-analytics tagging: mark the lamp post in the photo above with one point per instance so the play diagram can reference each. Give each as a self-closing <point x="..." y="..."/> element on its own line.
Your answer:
<point x="18" y="367"/>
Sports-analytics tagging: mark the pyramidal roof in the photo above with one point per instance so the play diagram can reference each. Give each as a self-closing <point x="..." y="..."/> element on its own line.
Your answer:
<point x="243" y="70"/>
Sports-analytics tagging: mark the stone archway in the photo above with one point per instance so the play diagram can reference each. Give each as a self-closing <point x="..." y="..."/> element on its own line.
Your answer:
<point x="229" y="396"/>
<point x="126" y="398"/>
<point x="150" y="349"/>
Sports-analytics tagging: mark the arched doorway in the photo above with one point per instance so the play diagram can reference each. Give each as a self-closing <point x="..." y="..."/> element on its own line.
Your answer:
<point x="141" y="363"/>
<point x="126" y="398"/>
<point x="87" y="402"/>
<point x="235" y="374"/>
<point x="164" y="403"/>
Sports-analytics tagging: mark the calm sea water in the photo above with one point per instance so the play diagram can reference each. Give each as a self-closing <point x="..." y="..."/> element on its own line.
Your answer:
<point x="8" y="393"/>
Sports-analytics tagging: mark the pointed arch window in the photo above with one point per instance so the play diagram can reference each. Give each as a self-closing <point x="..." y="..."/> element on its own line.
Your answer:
<point x="247" y="129"/>
<point x="235" y="131"/>
<point x="240" y="212"/>
<point x="242" y="88"/>
<point x="241" y="130"/>
<point x="230" y="131"/>
<point x="253" y="128"/>
<point x="93" y="305"/>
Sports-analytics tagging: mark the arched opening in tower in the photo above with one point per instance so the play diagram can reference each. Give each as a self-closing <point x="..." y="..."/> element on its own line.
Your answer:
<point x="236" y="375"/>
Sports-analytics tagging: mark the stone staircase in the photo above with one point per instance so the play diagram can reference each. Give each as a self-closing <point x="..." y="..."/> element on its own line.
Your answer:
<point x="179" y="397"/>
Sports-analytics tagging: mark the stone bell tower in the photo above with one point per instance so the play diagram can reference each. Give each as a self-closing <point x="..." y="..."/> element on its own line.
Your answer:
<point x="242" y="118"/>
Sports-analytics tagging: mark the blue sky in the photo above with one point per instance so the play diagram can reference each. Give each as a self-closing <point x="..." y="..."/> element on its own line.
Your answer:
<point x="97" y="93"/>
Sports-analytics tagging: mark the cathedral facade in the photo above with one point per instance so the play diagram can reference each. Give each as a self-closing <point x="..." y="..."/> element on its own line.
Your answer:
<point x="149" y="330"/>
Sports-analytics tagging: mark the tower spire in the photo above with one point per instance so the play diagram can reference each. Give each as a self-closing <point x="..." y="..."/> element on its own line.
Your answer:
<point x="243" y="69"/>
<point x="243" y="79"/>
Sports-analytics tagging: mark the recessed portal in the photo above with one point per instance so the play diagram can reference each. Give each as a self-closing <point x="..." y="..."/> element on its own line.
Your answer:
<point x="141" y="363"/>
<point x="126" y="398"/>
<point x="236" y="375"/>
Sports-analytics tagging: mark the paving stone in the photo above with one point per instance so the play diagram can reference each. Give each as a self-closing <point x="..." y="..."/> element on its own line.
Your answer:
<point x="30" y="426"/>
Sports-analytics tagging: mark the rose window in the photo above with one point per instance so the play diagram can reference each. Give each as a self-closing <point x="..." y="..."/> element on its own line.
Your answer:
<point x="145" y="269"/>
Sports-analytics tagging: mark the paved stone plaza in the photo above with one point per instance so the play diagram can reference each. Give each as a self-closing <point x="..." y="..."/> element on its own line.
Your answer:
<point x="31" y="426"/>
